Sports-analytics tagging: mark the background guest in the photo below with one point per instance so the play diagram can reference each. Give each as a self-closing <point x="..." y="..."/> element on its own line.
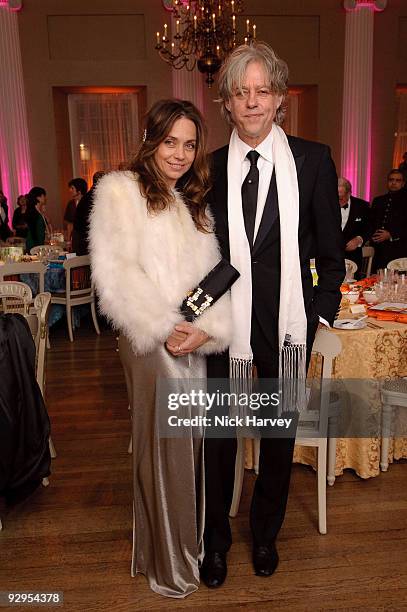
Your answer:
<point x="20" y="217"/>
<point x="403" y="166"/>
<point x="80" y="244"/>
<point x="388" y="222"/>
<point x="78" y="187"/>
<point x="355" y="223"/>
<point x="39" y="228"/>
<point x="5" y="231"/>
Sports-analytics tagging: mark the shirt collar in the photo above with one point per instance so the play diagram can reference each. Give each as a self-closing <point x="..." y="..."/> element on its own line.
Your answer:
<point x="265" y="148"/>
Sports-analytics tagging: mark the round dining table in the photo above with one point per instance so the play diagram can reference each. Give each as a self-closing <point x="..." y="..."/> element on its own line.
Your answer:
<point x="376" y="352"/>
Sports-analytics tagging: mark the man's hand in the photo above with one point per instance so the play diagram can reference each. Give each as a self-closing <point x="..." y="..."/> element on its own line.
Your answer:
<point x="185" y="338"/>
<point x="381" y="235"/>
<point x="353" y="244"/>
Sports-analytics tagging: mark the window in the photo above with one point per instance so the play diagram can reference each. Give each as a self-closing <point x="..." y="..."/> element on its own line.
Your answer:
<point x="104" y="131"/>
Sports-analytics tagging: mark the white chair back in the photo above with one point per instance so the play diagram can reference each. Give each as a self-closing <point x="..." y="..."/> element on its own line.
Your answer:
<point x="15" y="269"/>
<point x="79" y="284"/>
<point x="367" y="254"/>
<point x="38" y="322"/>
<point x="15" y="297"/>
<point x="398" y="264"/>
<point x="351" y="268"/>
<point x="78" y="290"/>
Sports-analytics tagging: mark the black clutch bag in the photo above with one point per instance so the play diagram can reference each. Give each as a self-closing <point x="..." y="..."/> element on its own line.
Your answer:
<point x="209" y="290"/>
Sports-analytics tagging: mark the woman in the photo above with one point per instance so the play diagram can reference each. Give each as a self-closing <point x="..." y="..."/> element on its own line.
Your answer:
<point x="20" y="217"/>
<point x="39" y="229"/>
<point x="150" y="244"/>
<point x="5" y="231"/>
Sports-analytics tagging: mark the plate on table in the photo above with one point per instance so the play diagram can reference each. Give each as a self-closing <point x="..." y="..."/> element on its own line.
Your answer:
<point x="350" y="324"/>
<point x="391" y="307"/>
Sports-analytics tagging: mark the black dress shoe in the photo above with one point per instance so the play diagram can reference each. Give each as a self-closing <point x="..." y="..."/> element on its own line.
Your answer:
<point x="265" y="560"/>
<point x="214" y="569"/>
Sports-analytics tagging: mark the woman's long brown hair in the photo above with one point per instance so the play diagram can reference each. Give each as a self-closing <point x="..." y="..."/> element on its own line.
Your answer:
<point x="194" y="185"/>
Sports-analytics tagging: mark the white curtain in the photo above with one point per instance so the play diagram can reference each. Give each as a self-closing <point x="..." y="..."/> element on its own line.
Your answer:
<point x="104" y="131"/>
<point x="400" y="143"/>
<point x="15" y="158"/>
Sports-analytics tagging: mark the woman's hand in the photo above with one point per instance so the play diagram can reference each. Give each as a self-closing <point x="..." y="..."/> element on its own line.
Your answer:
<point x="185" y="338"/>
<point x="174" y="341"/>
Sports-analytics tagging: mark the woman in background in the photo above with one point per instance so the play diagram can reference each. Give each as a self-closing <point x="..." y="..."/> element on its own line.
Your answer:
<point x="151" y="242"/>
<point x="5" y="231"/>
<point x="39" y="229"/>
<point x="20" y="217"/>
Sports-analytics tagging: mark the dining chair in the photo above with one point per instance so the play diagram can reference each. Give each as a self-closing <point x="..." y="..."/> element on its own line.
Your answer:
<point x="312" y="428"/>
<point x="367" y="255"/>
<point x="393" y="396"/>
<point x="351" y="268"/>
<point x="15" y="269"/>
<point x="79" y="290"/>
<point x="16" y="298"/>
<point x="399" y="264"/>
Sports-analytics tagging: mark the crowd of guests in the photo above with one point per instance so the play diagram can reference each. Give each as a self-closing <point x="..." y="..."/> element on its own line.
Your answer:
<point x="29" y="219"/>
<point x="381" y="224"/>
<point x="31" y="223"/>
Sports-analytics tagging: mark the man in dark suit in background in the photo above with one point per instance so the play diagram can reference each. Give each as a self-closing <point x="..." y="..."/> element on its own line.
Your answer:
<point x="388" y="222"/>
<point x="355" y="223"/>
<point x="80" y="230"/>
<point x="78" y="187"/>
<point x="275" y="205"/>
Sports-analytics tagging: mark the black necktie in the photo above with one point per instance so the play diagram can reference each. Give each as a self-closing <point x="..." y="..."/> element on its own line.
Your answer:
<point x="345" y="207"/>
<point x="250" y="189"/>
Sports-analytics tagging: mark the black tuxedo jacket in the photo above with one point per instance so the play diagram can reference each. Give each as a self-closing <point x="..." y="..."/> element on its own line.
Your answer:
<point x="357" y="225"/>
<point x="389" y="212"/>
<point x="319" y="236"/>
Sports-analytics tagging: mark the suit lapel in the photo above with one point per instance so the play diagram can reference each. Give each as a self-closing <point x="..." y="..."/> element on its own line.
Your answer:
<point x="270" y="214"/>
<point x="219" y="199"/>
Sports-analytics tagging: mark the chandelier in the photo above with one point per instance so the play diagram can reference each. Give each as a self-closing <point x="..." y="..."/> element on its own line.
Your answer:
<point x="204" y="32"/>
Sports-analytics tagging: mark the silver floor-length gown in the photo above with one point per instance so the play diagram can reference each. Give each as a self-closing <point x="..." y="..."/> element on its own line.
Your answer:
<point x="168" y="477"/>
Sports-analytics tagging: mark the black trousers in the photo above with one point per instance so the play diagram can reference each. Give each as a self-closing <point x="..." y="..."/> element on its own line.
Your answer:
<point x="272" y="484"/>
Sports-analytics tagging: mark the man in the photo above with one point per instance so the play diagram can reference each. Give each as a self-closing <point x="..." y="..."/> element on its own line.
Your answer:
<point x="388" y="222"/>
<point x="355" y="223"/>
<point x="81" y="222"/>
<point x="283" y="196"/>
<point x="78" y="187"/>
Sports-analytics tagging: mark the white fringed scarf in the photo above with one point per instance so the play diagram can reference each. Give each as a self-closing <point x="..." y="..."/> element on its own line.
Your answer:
<point x="292" y="326"/>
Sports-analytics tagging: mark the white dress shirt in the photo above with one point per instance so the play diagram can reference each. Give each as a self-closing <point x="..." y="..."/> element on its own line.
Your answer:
<point x="264" y="164"/>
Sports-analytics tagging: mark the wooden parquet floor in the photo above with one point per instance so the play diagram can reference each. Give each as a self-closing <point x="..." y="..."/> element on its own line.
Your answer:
<point x="75" y="535"/>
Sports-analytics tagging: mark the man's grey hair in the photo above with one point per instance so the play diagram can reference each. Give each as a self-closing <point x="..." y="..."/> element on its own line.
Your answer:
<point x="343" y="182"/>
<point x="232" y="73"/>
